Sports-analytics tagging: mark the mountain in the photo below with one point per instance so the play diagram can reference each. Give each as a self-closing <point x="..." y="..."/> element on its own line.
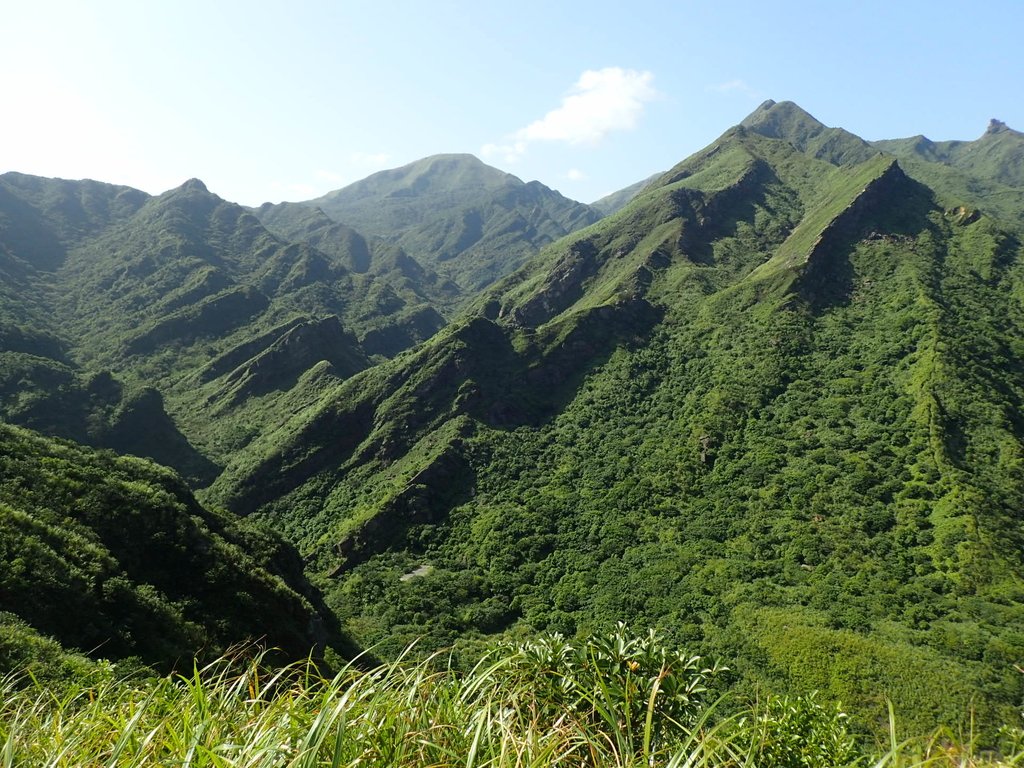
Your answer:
<point x="452" y="213"/>
<point x="182" y="301"/>
<point x="296" y="222"/>
<point x="988" y="172"/>
<point x="788" y="122"/>
<point x="773" y="407"/>
<point x="998" y="155"/>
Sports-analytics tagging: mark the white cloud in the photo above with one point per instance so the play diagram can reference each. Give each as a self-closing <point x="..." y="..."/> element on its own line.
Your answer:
<point x="602" y="101"/>
<point x="575" y="174"/>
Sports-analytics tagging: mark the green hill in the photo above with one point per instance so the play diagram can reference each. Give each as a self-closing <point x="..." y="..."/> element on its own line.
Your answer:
<point x="185" y="294"/>
<point x="987" y="173"/>
<point x="468" y="221"/>
<point x="114" y="557"/>
<point x="297" y="222"/>
<point x="788" y="122"/>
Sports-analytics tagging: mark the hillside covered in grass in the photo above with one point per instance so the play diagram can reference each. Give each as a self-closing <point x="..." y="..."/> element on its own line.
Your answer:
<point x="469" y="221"/>
<point x="608" y="700"/>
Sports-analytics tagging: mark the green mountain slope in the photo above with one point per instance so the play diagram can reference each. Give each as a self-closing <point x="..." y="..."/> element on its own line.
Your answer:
<point x="41" y="385"/>
<point x="297" y="222"/>
<point x="452" y="213"/>
<point x="185" y="293"/>
<point x="771" y="406"/>
<point x="114" y="557"/>
<point x="788" y="122"/>
<point x="987" y="173"/>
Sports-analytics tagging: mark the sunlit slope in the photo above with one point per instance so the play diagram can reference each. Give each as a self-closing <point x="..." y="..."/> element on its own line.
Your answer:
<point x="772" y="405"/>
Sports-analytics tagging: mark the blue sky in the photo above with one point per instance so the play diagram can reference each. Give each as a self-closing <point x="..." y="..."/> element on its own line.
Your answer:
<point x="275" y="101"/>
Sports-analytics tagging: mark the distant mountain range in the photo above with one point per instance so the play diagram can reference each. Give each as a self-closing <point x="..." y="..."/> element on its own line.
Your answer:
<point x="456" y="215"/>
<point x="770" y="401"/>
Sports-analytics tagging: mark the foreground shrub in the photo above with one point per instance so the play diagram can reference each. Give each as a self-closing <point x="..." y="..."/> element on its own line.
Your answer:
<point x="800" y="732"/>
<point x="631" y="693"/>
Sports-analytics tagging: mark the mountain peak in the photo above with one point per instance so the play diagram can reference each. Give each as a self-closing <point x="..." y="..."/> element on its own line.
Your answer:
<point x="436" y="174"/>
<point x="781" y="120"/>
<point x="996" y="126"/>
<point x="453" y="158"/>
<point x="789" y="122"/>
<point x="193" y="185"/>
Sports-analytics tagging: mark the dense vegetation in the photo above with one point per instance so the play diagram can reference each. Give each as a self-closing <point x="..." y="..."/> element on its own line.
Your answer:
<point x="988" y="171"/>
<point x="453" y="213"/>
<point x="771" y="406"/>
<point x="113" y="556"/>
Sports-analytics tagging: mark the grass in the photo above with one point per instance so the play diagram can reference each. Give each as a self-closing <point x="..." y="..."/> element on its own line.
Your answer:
<point x="613" y="700"/>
